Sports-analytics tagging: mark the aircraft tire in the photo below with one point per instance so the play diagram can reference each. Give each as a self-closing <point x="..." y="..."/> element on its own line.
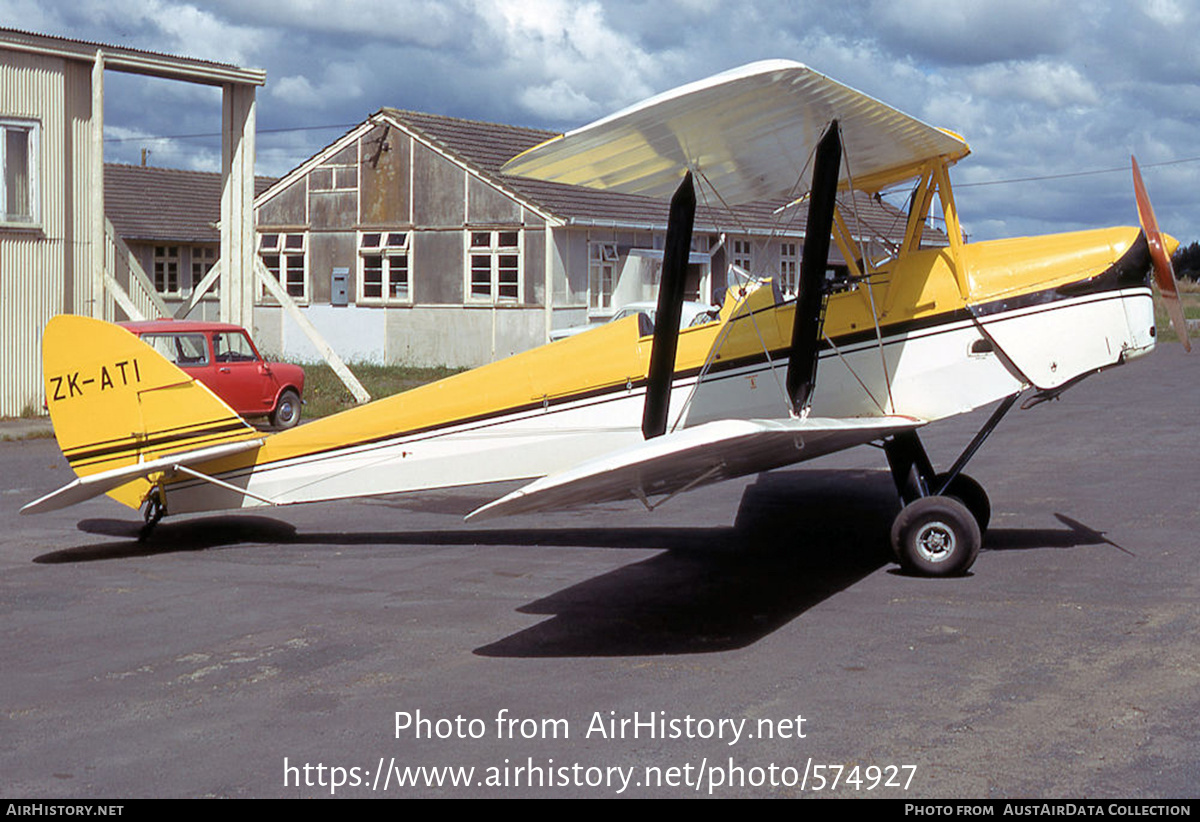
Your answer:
<point x="970" y="493"/>
<point x="287" y="410"/>
<point x="936" y="537"/>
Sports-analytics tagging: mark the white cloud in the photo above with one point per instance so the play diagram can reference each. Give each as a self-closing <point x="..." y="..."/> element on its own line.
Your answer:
<point x="557" y="100"/>
<point x="566" y="51"/>
<point x="1052" y="84"/>
<point x="124" y="145"/>
<point x="296" y="91"/>
<point x="340" y="83"/>
<point x="972" y="32"/>
<point x="1165" y="12"/>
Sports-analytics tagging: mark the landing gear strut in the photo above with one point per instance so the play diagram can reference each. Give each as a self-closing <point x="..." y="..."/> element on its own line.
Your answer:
<point x="940" y="529"/>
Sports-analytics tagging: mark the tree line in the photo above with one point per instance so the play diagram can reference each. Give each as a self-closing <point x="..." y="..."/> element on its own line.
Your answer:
<point x="1186" y="260"/>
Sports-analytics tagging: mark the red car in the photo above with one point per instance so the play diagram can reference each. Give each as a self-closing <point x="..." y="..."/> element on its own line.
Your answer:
<point x="223" y="357"/>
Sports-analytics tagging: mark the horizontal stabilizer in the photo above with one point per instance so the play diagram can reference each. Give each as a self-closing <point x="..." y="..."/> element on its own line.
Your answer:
<point x="93" y="485"/>
<point x="693" y="457"/>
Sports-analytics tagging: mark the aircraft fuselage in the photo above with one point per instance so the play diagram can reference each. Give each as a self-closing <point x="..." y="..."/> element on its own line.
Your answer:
<point x="1039" y="312"/>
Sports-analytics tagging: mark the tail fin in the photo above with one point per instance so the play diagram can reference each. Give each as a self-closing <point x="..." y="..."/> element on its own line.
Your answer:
<point x="116" y="402"/>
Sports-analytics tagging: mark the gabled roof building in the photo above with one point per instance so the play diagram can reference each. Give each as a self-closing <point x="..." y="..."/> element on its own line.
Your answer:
<point x="406" y="243"/>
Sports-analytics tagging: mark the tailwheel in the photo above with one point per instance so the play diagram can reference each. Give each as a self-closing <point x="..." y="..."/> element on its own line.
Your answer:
<point x="971" y="494"/>
<point x="936" y="536"/>
<point x="153" y="510"/>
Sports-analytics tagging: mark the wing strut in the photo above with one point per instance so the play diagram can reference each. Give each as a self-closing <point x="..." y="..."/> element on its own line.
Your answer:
<point x="812" y="292"/>
<point x="670" y="307"/>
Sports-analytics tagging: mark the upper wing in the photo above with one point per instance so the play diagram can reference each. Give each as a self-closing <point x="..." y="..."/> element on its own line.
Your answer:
<point x="749" y="132"/>
<point x="692" y="457"/>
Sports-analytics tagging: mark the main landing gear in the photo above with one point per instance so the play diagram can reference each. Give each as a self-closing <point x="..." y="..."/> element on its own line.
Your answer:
<point x="940" y="529"/>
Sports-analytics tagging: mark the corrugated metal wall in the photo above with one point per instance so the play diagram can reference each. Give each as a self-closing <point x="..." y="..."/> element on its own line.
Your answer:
<point x="43" y="270"/>
<point x="78" y="189"/>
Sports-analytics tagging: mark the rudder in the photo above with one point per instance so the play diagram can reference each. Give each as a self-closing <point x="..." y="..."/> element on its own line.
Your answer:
<point x="114" y="402"/>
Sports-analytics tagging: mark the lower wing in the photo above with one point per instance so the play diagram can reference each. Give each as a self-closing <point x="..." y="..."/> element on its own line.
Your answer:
<point x="693" y="457"/>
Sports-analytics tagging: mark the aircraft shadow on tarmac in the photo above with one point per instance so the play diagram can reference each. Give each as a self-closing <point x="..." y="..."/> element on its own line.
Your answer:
<point x="798" y="538"/>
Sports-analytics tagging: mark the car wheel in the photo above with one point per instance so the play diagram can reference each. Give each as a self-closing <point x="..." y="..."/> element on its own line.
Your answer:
<point x="936" y="536"/>
<point x="287" y="410"/>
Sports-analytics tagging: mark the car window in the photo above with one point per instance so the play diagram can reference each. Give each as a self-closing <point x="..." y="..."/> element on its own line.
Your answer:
<point x="232" y="346"/>
<point x="181" y="349"/>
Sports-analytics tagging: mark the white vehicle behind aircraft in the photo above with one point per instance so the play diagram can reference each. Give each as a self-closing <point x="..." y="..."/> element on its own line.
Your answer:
<point x="691" y="313"/>
<point x="918" y="336"/>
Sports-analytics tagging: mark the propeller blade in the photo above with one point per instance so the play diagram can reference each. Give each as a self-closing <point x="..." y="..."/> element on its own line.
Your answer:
<point x="1164" y="272"/>
<point x="670" y="306"/>
<point x="810" y="297"/>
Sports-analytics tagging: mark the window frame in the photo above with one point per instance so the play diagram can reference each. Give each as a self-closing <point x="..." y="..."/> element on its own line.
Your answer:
<point x="741" y="253"/>
<point x="167" y="256"/>
<point x="287" y="254"/>
<point x="602" y="256"/>
<point x="496" y="252"/>
<point x="789" y="266"/>
<point x="202" y="259"/>
<point x="33" y="130"/>
<point x="392" y="248"/>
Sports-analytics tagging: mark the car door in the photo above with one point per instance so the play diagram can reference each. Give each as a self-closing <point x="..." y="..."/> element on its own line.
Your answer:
<point x="240" y="377"/>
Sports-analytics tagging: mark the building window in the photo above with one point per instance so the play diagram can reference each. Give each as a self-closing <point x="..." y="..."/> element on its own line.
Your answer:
<point x="743" y="256"/>
<point x="203" y="259"/>
<point x="283" y="255"/>
<point x="494" y="266"/>
<point x="166" y="269"/>
<point x="787" y="268"/>
<point x="384" y="267"/>
<point x="19" y="153"/>
<point x="602" y="264"/>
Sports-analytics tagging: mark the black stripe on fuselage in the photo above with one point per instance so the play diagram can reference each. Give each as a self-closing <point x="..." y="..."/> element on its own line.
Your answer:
<point x="131" y="446"/>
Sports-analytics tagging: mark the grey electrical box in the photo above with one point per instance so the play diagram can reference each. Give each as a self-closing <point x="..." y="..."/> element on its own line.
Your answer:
<point x="339" y="287"/>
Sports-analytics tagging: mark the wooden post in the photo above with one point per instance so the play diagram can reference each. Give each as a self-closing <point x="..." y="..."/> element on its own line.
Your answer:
<point x="96" y="177"/>
<point x="237" y="204"/>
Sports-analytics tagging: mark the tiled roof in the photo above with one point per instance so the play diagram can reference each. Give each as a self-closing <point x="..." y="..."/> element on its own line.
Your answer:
<point x="487" y="146"/>
<point x="165" y="204"/>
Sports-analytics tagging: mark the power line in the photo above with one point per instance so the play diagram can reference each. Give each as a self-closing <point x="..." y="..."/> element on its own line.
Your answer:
<point x="1075" y="173"/>
<point x="342" y="126"/>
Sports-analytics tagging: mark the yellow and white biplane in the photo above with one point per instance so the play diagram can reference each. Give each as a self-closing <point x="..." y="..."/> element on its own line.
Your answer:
<point x="623" y="413"/>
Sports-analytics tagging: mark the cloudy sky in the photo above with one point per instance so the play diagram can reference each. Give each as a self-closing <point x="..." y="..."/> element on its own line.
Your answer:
<point x="1062" y="92"/>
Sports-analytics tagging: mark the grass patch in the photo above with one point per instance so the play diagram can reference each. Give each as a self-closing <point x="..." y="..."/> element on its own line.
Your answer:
<point x="1189" y="299"/>
<point x="46" y="433"/>
<point x="324" y="393"/>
